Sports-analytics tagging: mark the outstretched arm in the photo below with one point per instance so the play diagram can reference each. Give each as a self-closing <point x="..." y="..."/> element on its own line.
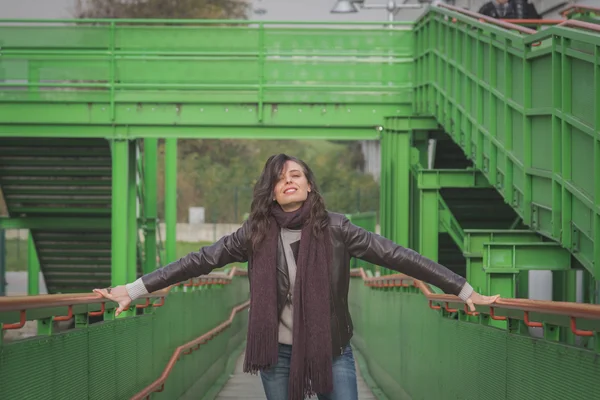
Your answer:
<point x="228" y="249"/>
<point x="378" y="250"/>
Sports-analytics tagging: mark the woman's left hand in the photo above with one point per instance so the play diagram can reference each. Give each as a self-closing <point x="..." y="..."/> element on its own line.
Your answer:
<point x="476" y="298"/>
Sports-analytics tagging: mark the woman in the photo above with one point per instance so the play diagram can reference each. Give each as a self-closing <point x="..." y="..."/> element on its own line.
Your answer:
<point x="298" y="256"/>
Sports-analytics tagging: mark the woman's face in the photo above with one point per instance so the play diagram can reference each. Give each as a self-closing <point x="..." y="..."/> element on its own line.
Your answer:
<point x="291" y="190"/>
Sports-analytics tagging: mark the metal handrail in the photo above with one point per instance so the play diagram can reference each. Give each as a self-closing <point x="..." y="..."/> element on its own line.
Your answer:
<point x="187" y="349"/>
<point x="579" y="310"/>
<point x="24" y="303"/>
<point x="578" y="9"/>
<point x="573" y="310"/>
<point x="581" y="24"/>
<point x="510" y="25"/>
<point x="533" y="21"/>
<point x="485" y="18"/>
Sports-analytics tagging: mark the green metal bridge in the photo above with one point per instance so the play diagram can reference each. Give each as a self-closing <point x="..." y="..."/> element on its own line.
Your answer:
<point x="490" y="142"/>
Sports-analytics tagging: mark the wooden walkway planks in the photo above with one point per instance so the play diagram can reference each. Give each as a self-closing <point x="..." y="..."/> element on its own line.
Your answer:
<point x="249" y="387"/>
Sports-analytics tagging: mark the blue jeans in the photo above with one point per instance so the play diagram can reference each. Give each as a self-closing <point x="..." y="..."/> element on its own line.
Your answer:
<point x="275" y="379"/>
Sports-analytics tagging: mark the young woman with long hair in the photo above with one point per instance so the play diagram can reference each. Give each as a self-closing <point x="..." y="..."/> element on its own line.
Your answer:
<point x="298" y="256"/>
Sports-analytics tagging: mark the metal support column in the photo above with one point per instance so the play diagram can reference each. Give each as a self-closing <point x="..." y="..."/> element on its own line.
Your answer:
<point x="33" y="268"/>
<point x="120" y="165"/>
<point x="564" y="288"/>
<point x="2" y="262"/>
<point x="401" y="187"/>
<point x="383" y="182"/>
<point x="151" y="193"/>
<point x="132" y="239"/>
<point x="171" y="198"/>
<point x="429" y="224"/>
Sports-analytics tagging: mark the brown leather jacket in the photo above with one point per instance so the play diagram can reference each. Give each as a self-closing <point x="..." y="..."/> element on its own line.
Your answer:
<point x="348" y="241"/>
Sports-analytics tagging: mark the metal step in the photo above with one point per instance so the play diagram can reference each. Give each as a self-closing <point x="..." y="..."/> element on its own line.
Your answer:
<point x="62" y="178"/>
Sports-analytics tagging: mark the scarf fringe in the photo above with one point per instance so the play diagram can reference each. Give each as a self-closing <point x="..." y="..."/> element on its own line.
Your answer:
<point x="316" y="379"/>
<point x="261" y="349"/>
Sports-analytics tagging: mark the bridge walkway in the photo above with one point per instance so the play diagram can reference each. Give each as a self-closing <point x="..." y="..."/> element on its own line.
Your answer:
<point x="249" y="387"/>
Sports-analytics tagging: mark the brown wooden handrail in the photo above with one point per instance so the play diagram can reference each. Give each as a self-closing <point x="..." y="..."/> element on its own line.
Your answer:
<point x="533" y="21"/>
<point x="186" y="349"/>
<point x="578" y="310"/>
<point x="24" y="303"/>
<point x="576" y="8"/>
<point x="581" y="24"/>
<point x="491" y="20"/>
<point x="508" y="25"/>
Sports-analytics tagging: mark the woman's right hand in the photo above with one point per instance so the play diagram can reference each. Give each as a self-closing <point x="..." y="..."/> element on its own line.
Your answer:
<point x="119" y="295"/>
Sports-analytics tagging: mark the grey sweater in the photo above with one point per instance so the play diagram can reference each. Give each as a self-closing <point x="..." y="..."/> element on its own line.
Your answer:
<point x="291" y="241"/>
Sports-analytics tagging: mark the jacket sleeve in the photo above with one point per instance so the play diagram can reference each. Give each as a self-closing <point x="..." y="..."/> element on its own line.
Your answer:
<point x="378" y="250"/>
<point x="228" y="249"/>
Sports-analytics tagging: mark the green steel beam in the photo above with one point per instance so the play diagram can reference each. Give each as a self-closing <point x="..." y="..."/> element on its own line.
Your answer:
<point x="202" y="132"/>
<point x="501" y="257"/>
<point x="120" y="208"/>
<point x="171" y="198"/>
<point x="451" y="178"/>
<point x="33" y="268"/>
<point x="148" y="113"/>
<point x="150" y="207"/>
<point x="474" y="246"/>
<point x="54" y="222"/>
<point x="210" y="117"/>
<point x="367" y="129"/>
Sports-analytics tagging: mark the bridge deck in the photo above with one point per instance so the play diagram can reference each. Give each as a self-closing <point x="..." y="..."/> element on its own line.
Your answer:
<point x="249" y="387"/>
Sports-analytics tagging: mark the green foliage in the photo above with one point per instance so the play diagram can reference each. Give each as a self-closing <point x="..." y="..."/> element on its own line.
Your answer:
<point x="164" y="9"/>
<point x="220" y="174"/>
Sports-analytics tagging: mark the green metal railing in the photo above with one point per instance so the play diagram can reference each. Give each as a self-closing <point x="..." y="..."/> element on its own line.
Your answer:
<point x="422" y="345"/>
<point x="141" y="77"/>
<point x="523" y="106"/>
<point x="103" y="357"/>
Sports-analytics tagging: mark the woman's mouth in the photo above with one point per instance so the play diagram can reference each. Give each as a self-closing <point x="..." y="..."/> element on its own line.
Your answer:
<point x="290" y="191"/>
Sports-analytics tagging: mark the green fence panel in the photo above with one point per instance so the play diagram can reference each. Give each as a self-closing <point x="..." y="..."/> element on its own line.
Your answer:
<point x="416" y="353"/>
<point x="117" y="359"/>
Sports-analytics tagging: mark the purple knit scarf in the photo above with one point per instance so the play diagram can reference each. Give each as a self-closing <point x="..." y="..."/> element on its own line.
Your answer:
<point x="311" y="363"/>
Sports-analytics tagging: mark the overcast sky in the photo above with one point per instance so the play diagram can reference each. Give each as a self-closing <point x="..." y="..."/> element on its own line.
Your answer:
<point x="276" y="10"/>
<point x="280" y="10"/>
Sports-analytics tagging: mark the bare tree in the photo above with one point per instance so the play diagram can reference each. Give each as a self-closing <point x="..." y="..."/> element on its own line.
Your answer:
<point x="164" y="9"/>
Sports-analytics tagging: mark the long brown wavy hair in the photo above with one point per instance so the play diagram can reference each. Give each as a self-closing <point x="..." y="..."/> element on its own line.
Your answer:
<point x="262" y="200"/>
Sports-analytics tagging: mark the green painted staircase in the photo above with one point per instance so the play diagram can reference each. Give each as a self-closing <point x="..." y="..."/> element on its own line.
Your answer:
<point x="62" y="188"/>
<point x="522" y="109"/>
